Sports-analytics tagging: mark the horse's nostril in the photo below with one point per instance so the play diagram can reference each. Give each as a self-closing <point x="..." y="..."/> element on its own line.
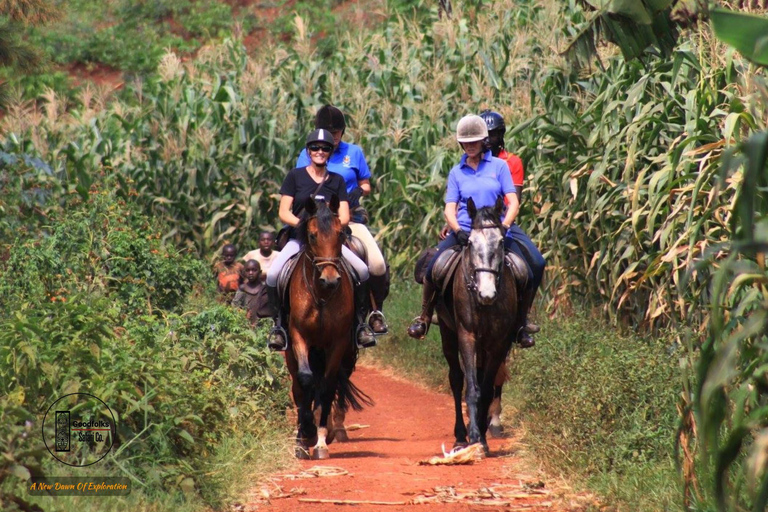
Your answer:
<point x="329" y="283"/>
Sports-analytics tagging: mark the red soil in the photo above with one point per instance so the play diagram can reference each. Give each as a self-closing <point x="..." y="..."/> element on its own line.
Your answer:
<point x="408" y="424"/>
<point x="98" y="74"/>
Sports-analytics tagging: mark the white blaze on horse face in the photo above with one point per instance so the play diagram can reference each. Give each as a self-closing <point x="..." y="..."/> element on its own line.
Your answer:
<point x="487" y="253"/>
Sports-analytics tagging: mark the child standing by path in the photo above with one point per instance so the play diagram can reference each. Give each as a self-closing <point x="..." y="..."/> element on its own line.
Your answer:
<point x="229" y="274"/>
<point x="252" y="294"/>
<point x="265" y="254"/>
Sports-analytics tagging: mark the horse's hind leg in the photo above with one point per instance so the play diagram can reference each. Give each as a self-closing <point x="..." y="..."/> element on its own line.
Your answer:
<point x="494" y="411"/>
<point x="338" y="430"/>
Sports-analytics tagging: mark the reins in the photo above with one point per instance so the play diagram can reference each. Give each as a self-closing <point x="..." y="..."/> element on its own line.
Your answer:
<point x="318" y="263"/>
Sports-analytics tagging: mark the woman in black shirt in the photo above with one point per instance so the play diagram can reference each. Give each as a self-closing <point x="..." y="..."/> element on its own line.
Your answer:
<point x="299" y="185"/>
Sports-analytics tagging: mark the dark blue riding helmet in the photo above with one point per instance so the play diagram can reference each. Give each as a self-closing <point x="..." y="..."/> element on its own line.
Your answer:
<point x="321" y="135"/>
<point x="493" y="120"/>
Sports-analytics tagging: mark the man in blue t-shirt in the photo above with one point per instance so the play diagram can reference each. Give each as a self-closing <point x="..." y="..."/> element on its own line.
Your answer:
<point x="348" y="161"/>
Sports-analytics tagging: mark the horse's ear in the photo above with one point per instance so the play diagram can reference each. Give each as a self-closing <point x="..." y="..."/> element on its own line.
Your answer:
<point x="334" y="204"/>
<point x="499" y="206"/>
<point x="471" y="208"/>
<point x="310" y="206"/>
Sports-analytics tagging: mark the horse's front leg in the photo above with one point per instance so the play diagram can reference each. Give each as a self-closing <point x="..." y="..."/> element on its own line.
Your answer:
<point x="468" y="353"/>
<point x="456" y="379"/>
<point x="303" y="392"/>
<point x="326" y="393"/>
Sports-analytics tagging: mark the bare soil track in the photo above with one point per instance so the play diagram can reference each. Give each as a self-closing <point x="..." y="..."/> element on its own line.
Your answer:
<point x="378" y="469"/>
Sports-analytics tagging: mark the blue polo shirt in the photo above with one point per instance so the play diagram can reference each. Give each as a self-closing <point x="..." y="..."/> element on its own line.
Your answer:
<point x="490" y="181"/>
<point x="348" y="161"/>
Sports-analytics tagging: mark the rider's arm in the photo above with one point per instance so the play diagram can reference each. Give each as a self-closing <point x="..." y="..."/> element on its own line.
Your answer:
<point x="365" y="185"/>
<point x="344" y="213"/>
<point x="285" y="213"/>
<point x="513" y="207"/>
<point x="450" y="216"/>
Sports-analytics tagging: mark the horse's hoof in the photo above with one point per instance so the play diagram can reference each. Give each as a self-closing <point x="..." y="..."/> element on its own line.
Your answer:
<point x="341" y="436"/>
<point x="301" y="453"/>
<point x="496" y="431"/>
<point x="320" y="454"/>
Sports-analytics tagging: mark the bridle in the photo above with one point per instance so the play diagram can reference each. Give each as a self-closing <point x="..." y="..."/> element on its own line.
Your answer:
<point x="471" y="271"/>
<point x="318" y="264"/>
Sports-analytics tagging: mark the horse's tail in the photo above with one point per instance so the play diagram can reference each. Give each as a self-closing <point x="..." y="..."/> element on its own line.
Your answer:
<point x="348" y="395"/>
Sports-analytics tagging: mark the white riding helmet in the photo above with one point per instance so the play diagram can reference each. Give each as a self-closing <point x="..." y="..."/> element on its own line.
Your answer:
<point x="471" y="128"/>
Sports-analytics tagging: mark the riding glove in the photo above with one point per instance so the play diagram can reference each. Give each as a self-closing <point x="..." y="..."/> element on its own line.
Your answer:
<point x="462" y="237"/>
<point x="354" y="196"/>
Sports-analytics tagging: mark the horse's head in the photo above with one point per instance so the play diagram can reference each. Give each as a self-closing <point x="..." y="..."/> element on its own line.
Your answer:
<point x="486" y="250"/>
<point x="322" y="235"/>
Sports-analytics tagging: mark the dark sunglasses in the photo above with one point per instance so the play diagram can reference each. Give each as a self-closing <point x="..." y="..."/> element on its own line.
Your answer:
<point x="316" y="147"/>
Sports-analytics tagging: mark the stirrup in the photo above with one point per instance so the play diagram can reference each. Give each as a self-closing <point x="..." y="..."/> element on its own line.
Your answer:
<point x="276" y="333"/>
<point x="377" y="314"/>
<point x="364" y="330"/>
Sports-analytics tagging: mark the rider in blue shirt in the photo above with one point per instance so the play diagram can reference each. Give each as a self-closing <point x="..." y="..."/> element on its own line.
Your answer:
<point x="485" y="179"/>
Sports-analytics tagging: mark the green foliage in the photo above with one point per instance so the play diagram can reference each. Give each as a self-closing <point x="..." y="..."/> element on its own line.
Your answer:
<point x="745" y="32"/>
<point x="632" y="25"/>
<point x="95" y="302"/>
<point x="22" y="448"/>
<point x="624" y="164"/>
<point x="614" y="397"/>
<point x="730" y="400"/>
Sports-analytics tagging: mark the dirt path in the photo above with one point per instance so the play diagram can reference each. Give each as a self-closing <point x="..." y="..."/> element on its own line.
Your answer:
<point x="380" y="463"/>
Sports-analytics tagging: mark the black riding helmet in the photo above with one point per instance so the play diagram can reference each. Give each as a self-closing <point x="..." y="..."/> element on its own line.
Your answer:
<point x="321" y="135"/>
<point x="493" y="120"/>
<point x="331" y="118"/>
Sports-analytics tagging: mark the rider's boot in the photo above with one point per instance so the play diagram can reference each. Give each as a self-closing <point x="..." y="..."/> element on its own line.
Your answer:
<point x="524" y="338"/>
<point x="379" y="286"/>
<point x="364" y="335"/>
<point x="420" y="326"/>
<point x="277" y="338"/>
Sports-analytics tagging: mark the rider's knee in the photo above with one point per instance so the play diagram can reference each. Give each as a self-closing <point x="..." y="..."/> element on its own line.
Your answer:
<point x="377" y="267"/>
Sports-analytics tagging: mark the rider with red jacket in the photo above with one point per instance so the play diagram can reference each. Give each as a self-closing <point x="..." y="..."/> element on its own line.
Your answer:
<point x="536" y="263"/>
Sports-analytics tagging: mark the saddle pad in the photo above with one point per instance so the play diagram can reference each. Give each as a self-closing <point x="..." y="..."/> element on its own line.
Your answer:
<point x="356" y="246"/>
<point x="444" y="266"/>
<point x="285" y="277"/>
<point x="519" y="268"/>
<point x="421" y="264"/>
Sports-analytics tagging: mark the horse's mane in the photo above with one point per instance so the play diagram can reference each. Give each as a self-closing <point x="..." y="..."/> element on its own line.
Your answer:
<point x="324" y="218"/>
<point x="486" y="216"/>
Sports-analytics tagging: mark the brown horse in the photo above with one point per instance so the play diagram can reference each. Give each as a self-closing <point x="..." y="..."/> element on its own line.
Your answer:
<point x="477" y="321"/>
<point x="322" y="353"/>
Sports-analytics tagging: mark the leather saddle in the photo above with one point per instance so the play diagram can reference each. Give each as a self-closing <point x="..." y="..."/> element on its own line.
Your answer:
<point x="284" y="278"/>
<point x="446" y="264"/>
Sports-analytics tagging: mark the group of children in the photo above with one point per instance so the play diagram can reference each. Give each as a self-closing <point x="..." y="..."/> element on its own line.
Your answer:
<point x="243" y="285"/>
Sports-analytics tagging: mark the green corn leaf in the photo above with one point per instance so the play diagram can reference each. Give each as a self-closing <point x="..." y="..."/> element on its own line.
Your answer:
<point x="747" y="33"/>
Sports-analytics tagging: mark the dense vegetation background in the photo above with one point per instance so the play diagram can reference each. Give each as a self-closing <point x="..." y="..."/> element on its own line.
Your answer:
<point x="636" y="162"/>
